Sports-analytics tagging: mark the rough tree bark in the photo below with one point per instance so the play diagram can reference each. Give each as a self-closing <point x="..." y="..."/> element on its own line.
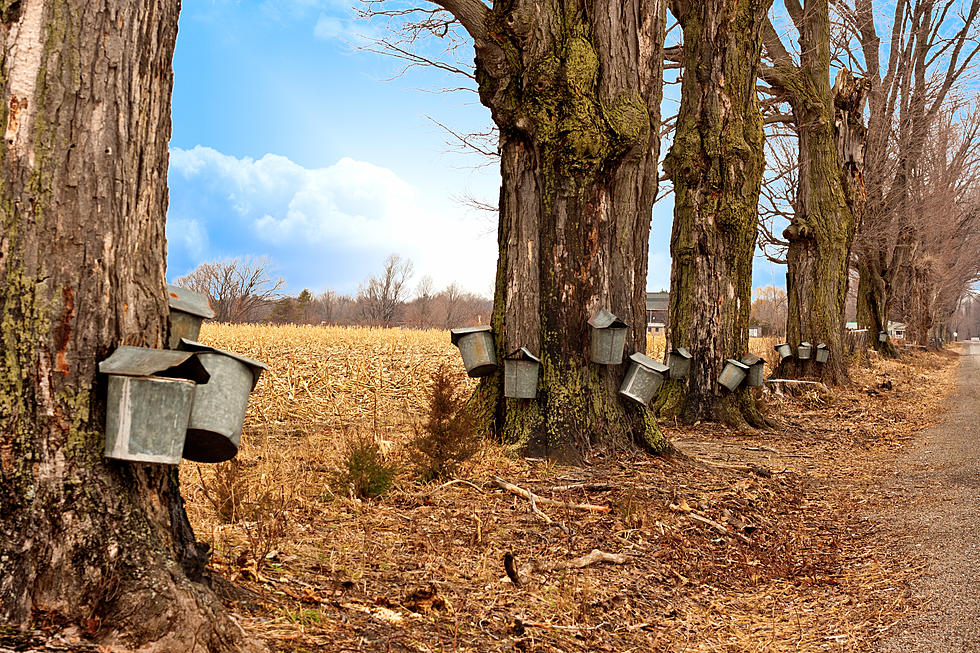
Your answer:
<point x="874" y="298"/>
<point x="716" y="165"/>
<point x="575" y="89"/>
<point x="86" y="541"/>
<point x="823" y="226"/>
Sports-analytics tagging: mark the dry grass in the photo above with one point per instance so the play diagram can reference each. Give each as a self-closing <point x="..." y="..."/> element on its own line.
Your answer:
<point x="796" y="564"/>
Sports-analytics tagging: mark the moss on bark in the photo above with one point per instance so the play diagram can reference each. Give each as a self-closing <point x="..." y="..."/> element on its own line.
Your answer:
<point x="579" y="145"/>
<point x="716" y="166"/>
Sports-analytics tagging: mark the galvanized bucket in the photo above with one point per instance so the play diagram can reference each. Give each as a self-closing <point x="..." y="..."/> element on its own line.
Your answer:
<point x="476" y="347"/>
<point x="757" y="367"/>
<point x="521" y="374"/>
<point x="732" y="374"/>
<point x="823" y="353"/>
<point x="147" y="418"/>
<point x="150" y="394"/>
<point x="804" y="351"/>
<point x="643" y="378"/>
<point x="679" y="361"/>
<point x="215" y="427"/>
<point x="784" y="350"/>
<point x="188" y="309"/>
<point x="608" y="338"/>
<point x="882" y="336"/>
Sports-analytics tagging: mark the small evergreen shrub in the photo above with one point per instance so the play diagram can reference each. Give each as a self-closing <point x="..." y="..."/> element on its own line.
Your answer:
<point x="446" y="438"/>
<point x="365" y="471"/>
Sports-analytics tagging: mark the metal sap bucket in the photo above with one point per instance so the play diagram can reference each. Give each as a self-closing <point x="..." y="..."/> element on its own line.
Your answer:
<point x="521" y="374"/>
<point x="215" y="427"/>
<point x="823" y="353"/>
<point x="757" y="368"/>
<point x="882" y="336"/>
<point x="732" y="374"/>
<point x="150" y="395"/>
<point x="643" y="378"/>
<point x="188" y="309"/>
<point x="476" y="347"/>
<point x="804" y="351"/>
<point x="608" y="338"/>
<point x="679" y="361"/>
<point x="784" y="351"/>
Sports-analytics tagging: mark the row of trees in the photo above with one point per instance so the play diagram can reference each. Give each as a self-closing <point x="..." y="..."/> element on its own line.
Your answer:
<point x="869" y="144"/>
<point x="915" y="247"/>
<point x="244" y="290"/>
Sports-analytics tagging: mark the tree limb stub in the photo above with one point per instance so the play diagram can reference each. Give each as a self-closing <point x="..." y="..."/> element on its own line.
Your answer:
<point x="472" y="14"/>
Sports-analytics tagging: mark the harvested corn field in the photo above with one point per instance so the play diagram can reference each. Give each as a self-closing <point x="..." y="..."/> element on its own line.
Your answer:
<point x="741" y="541"/>
<point x="328" y="377"/>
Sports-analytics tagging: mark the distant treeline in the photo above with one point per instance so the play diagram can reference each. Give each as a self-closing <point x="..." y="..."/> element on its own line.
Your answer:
<point x="243" y="290"/>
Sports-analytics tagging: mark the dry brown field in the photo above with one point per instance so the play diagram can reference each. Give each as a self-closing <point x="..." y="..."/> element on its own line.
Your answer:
<point x="744" y="541"/>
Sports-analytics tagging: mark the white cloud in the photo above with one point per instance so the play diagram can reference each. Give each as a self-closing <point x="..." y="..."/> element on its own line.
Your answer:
<point x="188" y="235"/>
<point x="352" y="206"/>
<point x="329" y="27"/>
<point x="339" y="24"/>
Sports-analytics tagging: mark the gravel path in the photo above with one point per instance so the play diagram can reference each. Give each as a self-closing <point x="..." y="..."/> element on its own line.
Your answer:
<point x="940" y="480"/>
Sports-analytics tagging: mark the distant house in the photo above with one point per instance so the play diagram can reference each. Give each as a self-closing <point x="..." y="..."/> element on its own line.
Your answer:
<point x="895" y="329"/>
<point x="657" y="303"/>
<point x="755" y="331"/>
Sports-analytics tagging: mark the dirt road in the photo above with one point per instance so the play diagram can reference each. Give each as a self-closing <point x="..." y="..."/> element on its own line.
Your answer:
<point x="938" y="489"/>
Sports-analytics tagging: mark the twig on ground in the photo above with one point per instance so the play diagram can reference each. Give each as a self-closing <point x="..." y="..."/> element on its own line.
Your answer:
<point x="596" y="557"/>
<point x="588" y="487"/>
<point x="521" y="492"/>
<point x="716" y="526"/>
<point x="459" y="480"/>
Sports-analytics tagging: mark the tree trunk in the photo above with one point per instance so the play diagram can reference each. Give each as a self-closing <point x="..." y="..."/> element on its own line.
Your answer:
<point x="84" y="540"/>
<point x="575" y="88"/>
<point x="873" y="305"/>
<point x="823" y="226"/>
<point x="817" y="261"/>
<point x="716" y="165"/>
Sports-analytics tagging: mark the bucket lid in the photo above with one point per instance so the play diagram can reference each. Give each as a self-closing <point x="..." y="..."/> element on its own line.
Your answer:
<point x="781" y="345"/>
<point x="821" y="346"/>
<point x="682" y="352"/>
<point x="188" y="301"/>
<point x="456" y="334"/>
<point x="805" y="344"/>
<point x="522" y="354"/>
<point x="254" y="365"/>
<point x="649" y="363"/>
<point x="732" y="361"/>
<point x="604" y="320"/>
<point x="751" y="359"/>
<point x="143" y="361"/>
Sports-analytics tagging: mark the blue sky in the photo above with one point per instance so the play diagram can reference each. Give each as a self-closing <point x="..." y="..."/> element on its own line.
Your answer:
<point x="290" y="142"/>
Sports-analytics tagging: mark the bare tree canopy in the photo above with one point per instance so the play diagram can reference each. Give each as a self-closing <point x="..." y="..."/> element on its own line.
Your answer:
<point x="236" y="286"/>
<point x="917" y="87"/>
<point x="379" y="297"/>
